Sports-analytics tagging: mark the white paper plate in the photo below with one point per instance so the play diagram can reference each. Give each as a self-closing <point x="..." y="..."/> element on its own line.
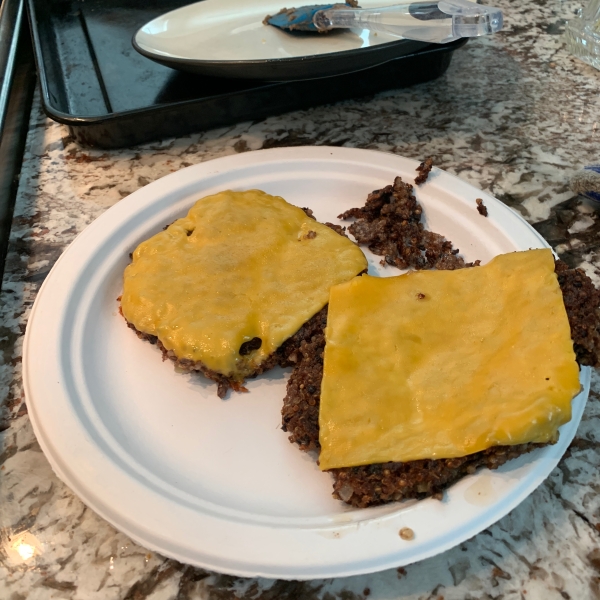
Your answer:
<point x="227" y="38"/>
<point x="216" y="483"/>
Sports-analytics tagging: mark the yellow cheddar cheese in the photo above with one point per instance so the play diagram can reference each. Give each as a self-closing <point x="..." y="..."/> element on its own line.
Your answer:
<point x="240" y="265"/>
<point x="441" y="364"/>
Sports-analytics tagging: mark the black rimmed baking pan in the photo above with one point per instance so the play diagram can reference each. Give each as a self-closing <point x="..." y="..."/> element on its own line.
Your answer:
<point x="110" y="96"/>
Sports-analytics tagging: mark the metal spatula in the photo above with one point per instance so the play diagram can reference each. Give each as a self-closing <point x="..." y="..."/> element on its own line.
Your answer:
<point x="438" y="21"/>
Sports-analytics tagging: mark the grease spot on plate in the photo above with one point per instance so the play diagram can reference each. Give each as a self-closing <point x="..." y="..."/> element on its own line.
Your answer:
<point x="481" y="492"/>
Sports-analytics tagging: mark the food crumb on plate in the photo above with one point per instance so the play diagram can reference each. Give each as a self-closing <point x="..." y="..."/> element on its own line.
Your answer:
<point x="481" y="207"/>
<point x="424" y="169"/>
<point x="406" y="533"/>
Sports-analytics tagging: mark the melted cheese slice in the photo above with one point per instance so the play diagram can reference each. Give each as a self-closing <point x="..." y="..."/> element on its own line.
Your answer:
<point x="240" y="265"/>
<point x="442" y="364"/>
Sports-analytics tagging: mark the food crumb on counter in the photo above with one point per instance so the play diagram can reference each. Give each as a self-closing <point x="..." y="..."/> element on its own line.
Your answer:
<point x="481" y="207"/>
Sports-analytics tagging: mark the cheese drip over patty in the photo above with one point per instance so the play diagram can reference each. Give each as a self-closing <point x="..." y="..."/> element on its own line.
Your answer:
<point x="442" y="364"/>
<point x="239" y="266"/>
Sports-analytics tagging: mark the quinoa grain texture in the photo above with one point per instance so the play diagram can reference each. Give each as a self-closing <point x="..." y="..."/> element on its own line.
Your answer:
<point x="389" y="224"/>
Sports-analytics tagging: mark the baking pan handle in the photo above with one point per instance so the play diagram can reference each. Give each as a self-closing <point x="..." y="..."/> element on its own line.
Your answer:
<point x="11" y="16"/>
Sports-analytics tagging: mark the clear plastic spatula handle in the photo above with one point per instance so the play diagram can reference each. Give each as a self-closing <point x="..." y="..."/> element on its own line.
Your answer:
<point x="438" y="22"/>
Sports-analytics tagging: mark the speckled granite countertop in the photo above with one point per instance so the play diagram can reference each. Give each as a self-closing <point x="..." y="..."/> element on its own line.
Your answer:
<point x="514" y="115"/>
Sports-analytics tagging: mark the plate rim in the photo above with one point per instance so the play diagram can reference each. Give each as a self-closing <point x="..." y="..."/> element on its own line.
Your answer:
<point x="256" y="157"/>
<point x="310" y="66"/>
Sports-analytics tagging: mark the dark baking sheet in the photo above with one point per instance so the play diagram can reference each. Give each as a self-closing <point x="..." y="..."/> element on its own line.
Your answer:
<point x="110" y="96"/>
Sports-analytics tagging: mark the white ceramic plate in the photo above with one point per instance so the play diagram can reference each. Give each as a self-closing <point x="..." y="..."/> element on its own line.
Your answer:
<point x="216" y="483"/>
<point x="227" y="38"/>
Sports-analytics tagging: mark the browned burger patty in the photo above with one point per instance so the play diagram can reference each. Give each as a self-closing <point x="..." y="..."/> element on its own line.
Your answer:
<point x="283" y="356"/>
<point x="581" y="301"/>
<point x="389" y="224"/>
<point x="375" y="484"/>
